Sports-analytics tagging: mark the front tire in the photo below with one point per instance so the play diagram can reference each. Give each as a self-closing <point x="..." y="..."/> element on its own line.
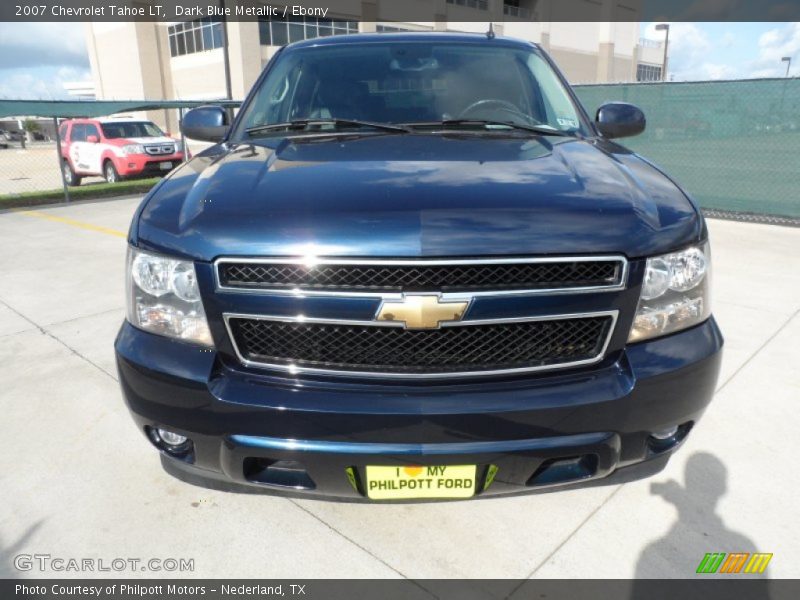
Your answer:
<point x="110" y="172"/>
<point x="70" y="177"/>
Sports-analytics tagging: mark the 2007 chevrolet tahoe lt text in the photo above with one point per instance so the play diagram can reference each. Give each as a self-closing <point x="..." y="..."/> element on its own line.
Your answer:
<point x="412" y="267"/>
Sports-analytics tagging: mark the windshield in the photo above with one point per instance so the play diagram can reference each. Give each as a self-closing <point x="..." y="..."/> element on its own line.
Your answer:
<point x="412" y="82"/>
<point x="131" y="129"/>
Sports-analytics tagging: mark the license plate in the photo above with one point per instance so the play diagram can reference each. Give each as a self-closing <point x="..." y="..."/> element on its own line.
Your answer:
<point x="401" y="483"/>
<point x="166" y="166"/>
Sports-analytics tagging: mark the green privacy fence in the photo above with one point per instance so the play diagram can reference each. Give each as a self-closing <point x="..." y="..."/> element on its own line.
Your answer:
<point x="733" y="145"/>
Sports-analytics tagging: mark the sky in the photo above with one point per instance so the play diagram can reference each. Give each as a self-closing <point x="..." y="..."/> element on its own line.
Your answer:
<point x="701" y="51"/>
<point x="37" y="58"/>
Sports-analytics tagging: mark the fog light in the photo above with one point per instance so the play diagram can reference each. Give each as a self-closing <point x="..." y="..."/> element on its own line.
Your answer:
<point x="669" y="438"/>
<point x="171" y="438"/>
<point x="665" y="434"/>
<point x="171" y="443"/>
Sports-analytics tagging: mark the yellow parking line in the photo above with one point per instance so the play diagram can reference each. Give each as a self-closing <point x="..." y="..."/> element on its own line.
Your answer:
<point x="73" y="222"/>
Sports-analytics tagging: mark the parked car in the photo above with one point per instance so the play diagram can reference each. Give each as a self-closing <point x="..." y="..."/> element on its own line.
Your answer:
<point x="11" y="136"/>
<point x="412" y="267"/>
<point x="116" y="149"/>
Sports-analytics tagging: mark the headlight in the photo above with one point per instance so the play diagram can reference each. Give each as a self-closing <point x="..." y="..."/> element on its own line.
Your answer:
<point x="133" y="149"/>
<point x="675" y="293"/>
<point x="163" y="297"/>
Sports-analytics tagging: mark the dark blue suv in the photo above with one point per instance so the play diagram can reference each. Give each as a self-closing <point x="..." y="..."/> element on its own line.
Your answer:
<point x="412" y="267"/>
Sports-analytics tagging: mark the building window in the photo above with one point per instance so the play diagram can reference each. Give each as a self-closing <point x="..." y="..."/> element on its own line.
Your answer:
<point x="391" y="29"/>
<point x="479" y="4"/>
<point x="648" y="73"/>
<point x="646" y="43"/>
<point x="279" y="32"/>
<point x="515" y="8"/>
<point x="194" y="36"/>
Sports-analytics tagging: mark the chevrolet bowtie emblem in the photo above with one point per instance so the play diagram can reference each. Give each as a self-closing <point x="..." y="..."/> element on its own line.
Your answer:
<point x="421" y="312"/>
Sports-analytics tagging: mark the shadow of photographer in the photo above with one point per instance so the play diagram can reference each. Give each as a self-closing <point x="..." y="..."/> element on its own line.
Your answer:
<point x="7" y="553"/>
<point x="698" y="530"/>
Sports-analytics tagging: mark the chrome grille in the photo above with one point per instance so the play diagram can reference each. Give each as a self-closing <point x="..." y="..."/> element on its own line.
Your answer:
<point x="461" y="348"/>
<point x="395" y="276"/>
<point x="386" y="348"/>
<point x="160" y="149"/>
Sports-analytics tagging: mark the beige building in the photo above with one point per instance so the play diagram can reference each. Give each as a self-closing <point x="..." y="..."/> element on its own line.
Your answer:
<point x="186" y="60"/>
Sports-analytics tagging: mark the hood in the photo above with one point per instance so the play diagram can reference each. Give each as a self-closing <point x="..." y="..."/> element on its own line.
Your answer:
<point x="416" y="196"/>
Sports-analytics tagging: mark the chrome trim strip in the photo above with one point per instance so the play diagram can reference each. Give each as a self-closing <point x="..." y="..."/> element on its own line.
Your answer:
<point x="270" y="443"/>
<point x="297" y="370"/>
<point x="299" y="292"/>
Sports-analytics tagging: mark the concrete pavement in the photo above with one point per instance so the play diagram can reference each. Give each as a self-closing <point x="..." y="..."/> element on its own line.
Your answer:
<point x="78" y="480"/>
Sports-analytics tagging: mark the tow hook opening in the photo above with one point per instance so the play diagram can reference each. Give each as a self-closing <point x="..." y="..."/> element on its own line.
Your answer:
<point x="281" y="473"/>
<point x="563" y="470"/>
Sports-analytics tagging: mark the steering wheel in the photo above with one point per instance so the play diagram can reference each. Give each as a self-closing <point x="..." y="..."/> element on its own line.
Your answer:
<point x="497" y="104"/>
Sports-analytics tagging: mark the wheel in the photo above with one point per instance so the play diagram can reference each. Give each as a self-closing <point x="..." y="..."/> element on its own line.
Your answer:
<point x="110" y="172"/>
<point x="70" y="177"/>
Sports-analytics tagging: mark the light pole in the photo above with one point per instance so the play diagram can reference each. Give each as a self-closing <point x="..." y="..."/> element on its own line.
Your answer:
<point x="226" y="57"/>
<point x="665" y="28"/>
<point x="788" y="61"/>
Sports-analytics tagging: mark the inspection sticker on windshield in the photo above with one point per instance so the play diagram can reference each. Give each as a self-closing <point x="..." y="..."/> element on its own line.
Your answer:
<point x="400" y="483"/>
<point x="567" y="122"/>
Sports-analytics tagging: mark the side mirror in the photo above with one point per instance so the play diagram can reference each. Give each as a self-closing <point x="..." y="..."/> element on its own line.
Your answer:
<point x="92" y="139"/>
<point x="205" y="123"/>
<point x="619" y="119"/>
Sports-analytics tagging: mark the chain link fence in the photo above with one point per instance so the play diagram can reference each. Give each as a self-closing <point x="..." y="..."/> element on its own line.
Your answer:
<point x="28" y="160"/>
<point x="733" y="145"/>
<point x="31" y="165"/>
<point x="33" y="151"/>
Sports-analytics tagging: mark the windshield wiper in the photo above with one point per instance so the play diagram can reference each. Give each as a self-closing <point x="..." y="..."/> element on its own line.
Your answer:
<point x="491" y="125"/>
<point x="304" y="124"/>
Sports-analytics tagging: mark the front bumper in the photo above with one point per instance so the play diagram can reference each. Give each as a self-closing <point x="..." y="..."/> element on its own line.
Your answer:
<point x="316" y="436"/>
<point x="141" y="165"/>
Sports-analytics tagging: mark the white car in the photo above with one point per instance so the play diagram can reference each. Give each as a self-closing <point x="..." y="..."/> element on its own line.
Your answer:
<point x="116" y="149"/>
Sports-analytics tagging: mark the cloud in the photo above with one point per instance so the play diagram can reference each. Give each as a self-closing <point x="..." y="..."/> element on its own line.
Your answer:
<point x="42" y="44"/>
<point x="773" y="45"/>
<point x="717" y="71"/>
<point x="729" y="40"/>
<point x="695" y="56"/>
<point x="37" y="58"/>
<point x="689" y="47"/>
<point x="46" y="83"/>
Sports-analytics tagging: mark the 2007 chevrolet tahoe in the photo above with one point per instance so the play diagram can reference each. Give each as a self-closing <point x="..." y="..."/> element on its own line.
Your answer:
<point x="411" y="268"/>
